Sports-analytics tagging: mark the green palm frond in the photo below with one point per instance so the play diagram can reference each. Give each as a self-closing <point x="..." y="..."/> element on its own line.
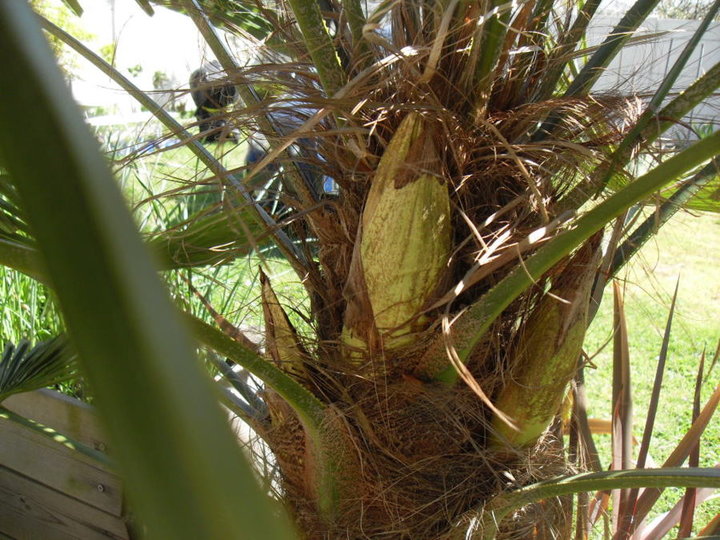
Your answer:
<point x="17" y="246"/>
<point x="135" y="344"/>
<point x="74" y="6"/>
<point x="146" y="7"/>
<point x="24" y="367"/>
<point x="648" y="478"/>
<point x="209" y="238"/>
<point x="12" y="223"/>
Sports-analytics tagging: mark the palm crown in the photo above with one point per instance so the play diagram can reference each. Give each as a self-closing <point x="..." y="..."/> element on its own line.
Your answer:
<point x="452" y="278"/>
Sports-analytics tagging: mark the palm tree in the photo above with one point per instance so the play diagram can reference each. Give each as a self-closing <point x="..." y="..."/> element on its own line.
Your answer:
<point x="482" y="192"/>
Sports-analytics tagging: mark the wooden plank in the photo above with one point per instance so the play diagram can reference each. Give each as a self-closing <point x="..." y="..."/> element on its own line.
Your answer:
<point x="30" y="510"/>
<point x="64" y="414"/>
<point x="61" y="468"/>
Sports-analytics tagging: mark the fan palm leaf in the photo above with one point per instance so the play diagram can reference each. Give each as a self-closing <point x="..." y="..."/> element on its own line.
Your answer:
<point x="24" y="367"/>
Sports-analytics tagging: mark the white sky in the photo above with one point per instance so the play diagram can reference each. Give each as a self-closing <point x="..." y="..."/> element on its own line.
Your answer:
<point x="167" y="42"/>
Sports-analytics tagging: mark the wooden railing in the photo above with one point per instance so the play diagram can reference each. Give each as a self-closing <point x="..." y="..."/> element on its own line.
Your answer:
<point x="49" y="491"/>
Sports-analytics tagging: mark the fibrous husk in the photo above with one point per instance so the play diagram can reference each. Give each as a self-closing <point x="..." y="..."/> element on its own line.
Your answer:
<point x="403" y="244"/>
<point x="281" y="339"/>
<point x="547" y="353"/>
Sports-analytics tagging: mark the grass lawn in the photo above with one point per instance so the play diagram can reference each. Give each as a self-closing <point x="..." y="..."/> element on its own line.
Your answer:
<point x="686" y="248"/>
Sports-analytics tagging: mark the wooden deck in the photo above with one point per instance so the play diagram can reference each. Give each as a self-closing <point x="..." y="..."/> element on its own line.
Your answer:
<point x="48" y="491"/>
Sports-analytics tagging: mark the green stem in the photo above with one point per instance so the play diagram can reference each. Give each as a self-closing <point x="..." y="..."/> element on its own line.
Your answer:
<point x="561" y="53"/>
<point x="356" y="22"/>
<point x="602" y="57"/>
<point x="74" y="6"/>
<point x="22" y="258"/>
<point x="502" y="506"/>
<point x="667" y="117"/>
<point x="490" y="43"/>
<point x="667" y="210"/>
<point x="308" y="408"/>
<point x="311" y="412"/>
<point x="612" y="45"/>
<point x="319" y="44"/>
<point x="676" y="109"/>
<point x="146" y="7"/>
<point x="623" y="153"/>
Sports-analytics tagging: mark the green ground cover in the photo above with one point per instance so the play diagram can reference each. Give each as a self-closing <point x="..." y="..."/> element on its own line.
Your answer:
<point x="685" y="249"/>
